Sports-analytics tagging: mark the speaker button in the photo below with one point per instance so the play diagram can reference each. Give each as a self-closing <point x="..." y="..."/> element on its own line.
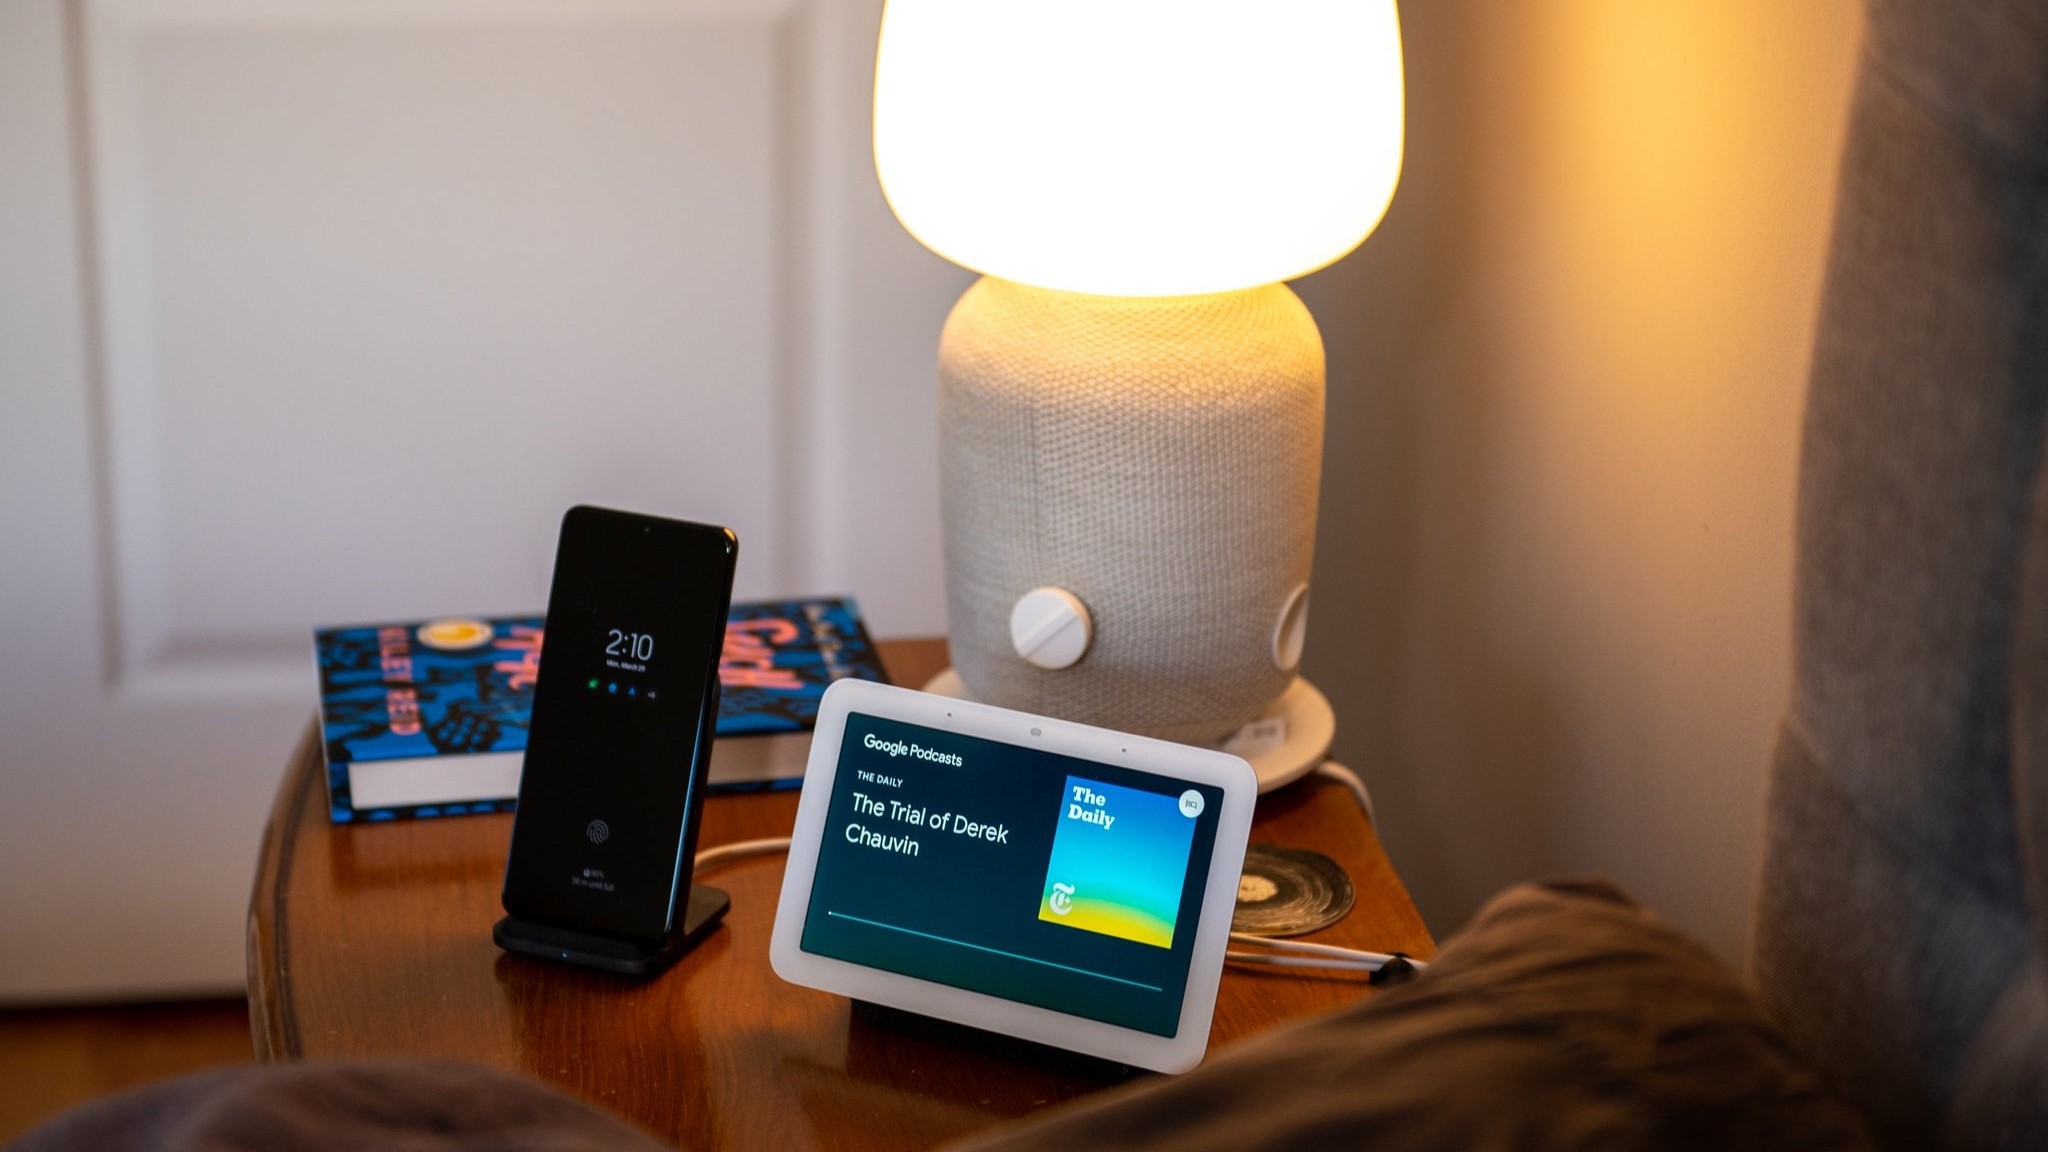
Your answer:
<point x="1050" y="627"/>
<point x="1290" y="630"/>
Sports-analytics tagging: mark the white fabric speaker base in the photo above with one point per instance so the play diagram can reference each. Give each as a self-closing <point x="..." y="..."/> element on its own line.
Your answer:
<point x="1157" y="458"/>
<point x="1282" y="746"/>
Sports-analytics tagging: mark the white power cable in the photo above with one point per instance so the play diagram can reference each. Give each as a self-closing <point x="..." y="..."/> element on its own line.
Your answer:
<point x="1349" y="779"/>
<point x="1304" y="954"/>
<point x="739" y="850"/>
<point x="1275" y="961"/>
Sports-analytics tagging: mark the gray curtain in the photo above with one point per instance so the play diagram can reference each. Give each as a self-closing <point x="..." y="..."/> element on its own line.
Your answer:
<point x="1901" y="924"/>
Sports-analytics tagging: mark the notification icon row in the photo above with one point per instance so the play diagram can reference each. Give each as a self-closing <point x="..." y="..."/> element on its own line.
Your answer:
<point x="614" y="688"/>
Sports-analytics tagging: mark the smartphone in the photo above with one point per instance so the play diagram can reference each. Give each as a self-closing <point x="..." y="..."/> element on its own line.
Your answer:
<point x="623" y="716"/>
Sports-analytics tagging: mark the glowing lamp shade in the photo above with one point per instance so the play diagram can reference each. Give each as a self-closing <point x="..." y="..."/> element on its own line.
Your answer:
<point x="1139" y="147"/>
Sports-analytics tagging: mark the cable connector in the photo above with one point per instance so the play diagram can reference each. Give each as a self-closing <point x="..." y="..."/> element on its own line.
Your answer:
<point x="1397" y="969"/>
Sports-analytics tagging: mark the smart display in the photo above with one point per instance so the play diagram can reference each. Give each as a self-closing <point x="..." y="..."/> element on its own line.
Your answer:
<point x="1067" y="884"/>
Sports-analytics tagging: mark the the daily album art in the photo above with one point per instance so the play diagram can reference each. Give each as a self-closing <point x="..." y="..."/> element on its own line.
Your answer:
<point x="1119" y="859"/>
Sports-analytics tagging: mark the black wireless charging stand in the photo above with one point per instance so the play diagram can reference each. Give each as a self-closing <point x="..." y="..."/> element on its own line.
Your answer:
<point x="630" y="957"/>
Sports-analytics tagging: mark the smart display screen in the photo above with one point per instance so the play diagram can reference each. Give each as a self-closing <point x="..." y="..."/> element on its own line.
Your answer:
<point x="1046" y="879"/>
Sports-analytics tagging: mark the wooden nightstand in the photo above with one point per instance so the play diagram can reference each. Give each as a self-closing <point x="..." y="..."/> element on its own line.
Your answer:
<point x="375" y="940"/>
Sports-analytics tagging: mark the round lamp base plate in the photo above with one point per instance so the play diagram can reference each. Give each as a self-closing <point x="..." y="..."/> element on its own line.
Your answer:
<point x="1282" y="746"/>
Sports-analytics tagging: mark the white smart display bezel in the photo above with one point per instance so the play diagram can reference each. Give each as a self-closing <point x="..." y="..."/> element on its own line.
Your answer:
<point x="1177" y="1053"/>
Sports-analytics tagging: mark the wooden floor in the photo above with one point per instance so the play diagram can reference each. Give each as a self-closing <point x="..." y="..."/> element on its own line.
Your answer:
<point x="54" y="1058"/>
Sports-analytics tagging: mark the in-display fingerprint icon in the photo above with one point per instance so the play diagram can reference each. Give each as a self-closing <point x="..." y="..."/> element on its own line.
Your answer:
<point x="598" y="832"/>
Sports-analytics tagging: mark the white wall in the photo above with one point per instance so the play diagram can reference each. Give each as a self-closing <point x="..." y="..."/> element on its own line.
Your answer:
<point x="1554" y="571"/>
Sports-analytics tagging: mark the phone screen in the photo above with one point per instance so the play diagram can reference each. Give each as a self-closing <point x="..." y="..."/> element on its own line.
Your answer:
<point x="623" y="712"/>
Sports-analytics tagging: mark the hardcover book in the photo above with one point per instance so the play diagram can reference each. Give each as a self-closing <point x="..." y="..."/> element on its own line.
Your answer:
<point x="430" y="718"/>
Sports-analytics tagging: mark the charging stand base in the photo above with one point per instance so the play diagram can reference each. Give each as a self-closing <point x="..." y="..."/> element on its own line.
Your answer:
<point x="630" y="957"/>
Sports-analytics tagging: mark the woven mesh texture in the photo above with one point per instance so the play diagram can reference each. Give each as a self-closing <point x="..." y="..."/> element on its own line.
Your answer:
<point x="1157" y="458"/>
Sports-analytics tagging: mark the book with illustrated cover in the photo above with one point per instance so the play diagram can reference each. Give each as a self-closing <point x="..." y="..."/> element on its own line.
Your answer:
<point x="430" y="718"/>
<point x="779" y="657"/>
<point x="425" y="719"/>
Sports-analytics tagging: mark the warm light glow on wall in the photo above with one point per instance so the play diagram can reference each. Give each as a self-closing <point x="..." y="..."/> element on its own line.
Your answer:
<point x="1139" y="147"/>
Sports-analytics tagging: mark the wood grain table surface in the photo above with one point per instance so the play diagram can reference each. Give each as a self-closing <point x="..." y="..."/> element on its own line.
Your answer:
<point x="375" y="940"/>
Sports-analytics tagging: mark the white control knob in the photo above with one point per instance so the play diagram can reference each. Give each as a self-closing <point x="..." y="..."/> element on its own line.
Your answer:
<point x="1290" y="631"/>
<point x="1050" y="627"/>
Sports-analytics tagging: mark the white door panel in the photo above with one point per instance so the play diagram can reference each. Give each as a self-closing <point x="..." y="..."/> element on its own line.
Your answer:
<point x="323" y="311"/>
<point x="385" y="297"/>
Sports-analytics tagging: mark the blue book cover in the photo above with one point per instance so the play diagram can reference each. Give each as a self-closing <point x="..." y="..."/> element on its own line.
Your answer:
<point x="781" y="655"/>
<point x="429" y="718"/>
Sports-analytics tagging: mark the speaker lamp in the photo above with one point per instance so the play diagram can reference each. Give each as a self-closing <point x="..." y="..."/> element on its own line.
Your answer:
<point x="1131" y="400"/>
